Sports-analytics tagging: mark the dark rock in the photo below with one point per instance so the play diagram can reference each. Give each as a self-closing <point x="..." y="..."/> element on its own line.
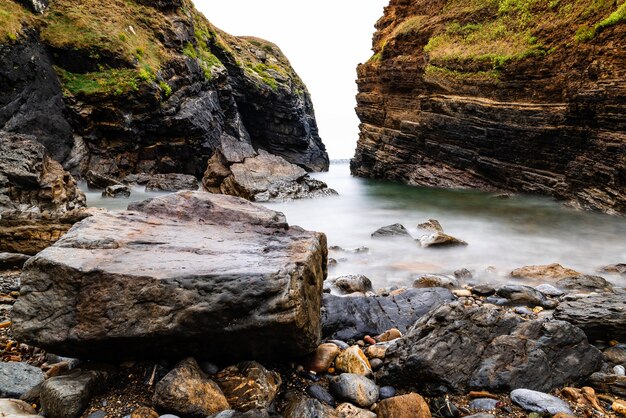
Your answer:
<point x="209" y="368"/>
<point x="352" y="318"/>
<point x="543" y="403"/>
<point x="352" y="283"/>
<point x="435" y="280"/>
<point x="354" y="388"/>
<point x="444" y="408"/>
<point x="12" y="260"/>
<point x="615" y="354"/>
<point x="386" y="392"/>
<point x="392" y="231"/>
<point x="483" y="290"/>
<point x="376" y="363"/>
<point x="601" y="317"/>
<point x="457" y="348"/>
<point x="248" y="385"/>
<point x="14" y="408"/>
<point x="301" y="407"/>
<point x="523" y="310"/>
<point x="463" y="274"/>
<point x="525" y="295"/>
<point x="175" y="286"/>
<point x="18" y="378"/>
<point x="549" y="290"/>
<point x="439" y="239"/>
<point x="483" y="404"/>
<point x="68" y="396"/>
<point x="585" y="283"/>
<point x="39" y="201"/>
<point x="480" y="416"/>
<point x="171" y="183"/>
<point x="609" y="383"/>
<point x="321" y="394"/>
<point x="97" y="180"/>
<point x="118" y="191"/>
<point x="615" y="268"/>
<point x="185" y="390"/>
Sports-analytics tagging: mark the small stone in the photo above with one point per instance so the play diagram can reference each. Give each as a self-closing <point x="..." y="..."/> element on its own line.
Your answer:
<point x="439" y="239"/>
<point x="209" y="368"/>
<point x="483" y="404"/>
<point x="116" y="192"/>
<point x="67" y="396"/>
<point x="480" y="416"/>
<point x="312" y="376"/>
<point x="353" y="361"/>
<point x="522" y="310"/>
<point x="347" y="410"/>
<point x="14" y="408"/>
<point x="483" y="290"/>
<point x="435" y="280"/>
<point x="376" y="363"/>
<point x="411" y="405"/>
<point x="354" y="388"/>
<point x="376" y="351"/>
<point x="540" y="402"/>
<point x="392" y="231"/>
<point x="345" y="285"/>
<point x="619" y="370"/>
<point x="18" y="378"/>
<point x="144" y="412"/>
<point x="388" y="335"/>
<point x="98" y="414"/>
<point x="321" y="394"/>
<point x="549" y="290"/>
<point x="462" y="293"/>
<point x="386" y="392"/>
<point x="369" y="340"/>
<point x="463" y="274"/>
<point x="322" y="358"/>
<point x="248" y="385"/>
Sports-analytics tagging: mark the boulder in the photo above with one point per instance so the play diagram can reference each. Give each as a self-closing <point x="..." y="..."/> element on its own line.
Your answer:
<point x="457" y="348"/>
<point x="172" y="182"/>
<point x="354" y="388"/>
<point x="354" y="317"/>
<point x="600" y="316"/>
<point x="440" y="239"/>
<point x="544" y="272"/>
<point x="585" y="283"/>
<point x="68" y="396"/>
<point x="117" y="191"/>
<point x="262" y="178"/>
<point x="392" y="231"/>
<point x="39" y="201"/>
<point x="533" y="401"/>
<point x="186" y="391"/>
<point x="410" y="405"/>
<point x="18" y="378"/>
<point x="248" y="385"/>
<point x="346" y="285"/>
<point x="177" y="273"/>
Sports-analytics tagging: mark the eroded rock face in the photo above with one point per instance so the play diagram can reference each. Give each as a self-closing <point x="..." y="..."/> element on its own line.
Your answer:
<point x="39" y="201"/>
<point x="177" y="273"/>
<point x="456" y="349"/>
<point x="600" y="316"/>
<point x="437" y="108"/>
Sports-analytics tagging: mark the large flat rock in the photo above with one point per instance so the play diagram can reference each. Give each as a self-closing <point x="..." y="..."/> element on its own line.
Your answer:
<point x="190" y="273"/>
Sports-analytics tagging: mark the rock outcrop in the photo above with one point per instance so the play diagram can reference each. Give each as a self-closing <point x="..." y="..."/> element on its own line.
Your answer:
<point x="498" y="96"/>
<point x="190" y="273"/>
<point x="456" y="349"/>
<point x="39" y="201"/>
<point x="600" y="316"/>
<point x="148" y="87"/>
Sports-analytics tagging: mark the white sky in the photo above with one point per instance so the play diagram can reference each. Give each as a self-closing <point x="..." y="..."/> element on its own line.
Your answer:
<point x="324" y="41"/>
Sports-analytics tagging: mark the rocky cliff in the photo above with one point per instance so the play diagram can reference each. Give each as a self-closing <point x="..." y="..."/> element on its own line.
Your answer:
<point x="517" y="95"/>
<point x="135" y="86"/>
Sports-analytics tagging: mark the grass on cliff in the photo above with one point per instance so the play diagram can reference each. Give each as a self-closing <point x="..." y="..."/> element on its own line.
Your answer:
<point x="12" y="18"/>
<point x="108" y="82"/>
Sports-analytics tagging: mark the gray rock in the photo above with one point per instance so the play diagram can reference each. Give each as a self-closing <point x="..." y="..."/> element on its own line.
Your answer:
<point x="376" y="363"/>
<point x="12" y="260"/>
<point x="601" y="317"/>
<point x="14" y="408"/>
<point x="354" y="388"/>
<point x="619" y="370"/>
<point x="116" y="192"/>
<point x="615" y="268"/>
<point x="345" y="285"/>
<point x="168" y="416"/>
<point x="386" y="392"/>
<point x="525" y="295"/>
<point x="352" y="318"/>
<point x="321" y="394"/>
<point x="483" y="290"/>
<point x="609" y="383"/>
<point x="18" y="378"/>
<point x="171" y="183"/>
<point x="463" y="274"/>
<point x="457" y="348"/>
<point x="439" y="239"/>
<point x="254" y="413"/>
<point x="301" y="407"/>
<point x="533" y="401"/>
<point x="483" y="404"/>
<point x="248" y="385"/>
<point x="68" y="396"/>
<point x="185" y="270"/>
<point x="549" y="290"/>
<point x="585" y="283"/>
<point x="435" y="280"/>
<point x="392" y="231"/>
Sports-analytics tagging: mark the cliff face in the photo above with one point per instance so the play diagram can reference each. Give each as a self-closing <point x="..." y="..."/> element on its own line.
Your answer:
<point x="519" y="95"/>
<point x="133" y="86"/>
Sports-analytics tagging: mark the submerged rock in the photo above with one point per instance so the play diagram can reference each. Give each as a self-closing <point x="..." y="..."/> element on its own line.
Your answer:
<point x="431" y="225"/>
<point x="440" y="239"/>
<point x="600" y="316"/>
<point x="117" y="191"/>
<point x="177" y="273"/>
<point x="457" y="348"/>
<point x="435" y="280"/>
<point x="392" y="231"/>
<point x="615" y="268"/>
<point x="97" y="180"/>
<point x="544" y="272"/>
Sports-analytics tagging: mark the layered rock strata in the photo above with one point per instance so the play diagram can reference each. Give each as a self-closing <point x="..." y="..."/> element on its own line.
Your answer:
<point x="190" y="273"/>
<point x="498" y="96"/>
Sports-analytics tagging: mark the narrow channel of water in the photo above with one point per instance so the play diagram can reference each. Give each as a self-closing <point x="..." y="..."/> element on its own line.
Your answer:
<point x="503" y="234"/>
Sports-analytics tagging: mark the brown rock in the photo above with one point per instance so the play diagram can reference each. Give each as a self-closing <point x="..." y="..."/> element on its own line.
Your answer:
<point x="144" y="412"/>
<point x="619" y="406"/>
<point x="440" y="239"/>
<point x="353" y="361"/>
<point x="405" y="406"/>
<point x="322" y="358"/>
<point x="186" y="391"/>
<point x="248" y="385"/>
<point x="544" y="272"/>
<point x="431" y="225"/>
<point x="376" y="351"/>
<point x="388" y="335"/>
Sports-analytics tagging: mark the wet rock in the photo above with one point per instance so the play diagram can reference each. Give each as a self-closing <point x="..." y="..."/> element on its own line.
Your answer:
<point x="347" y="410"/>
<point x="117" y="191"/>
<point x="411" y="405"/>
<point x="600" y="316"/>
<point x="353" y="361"/>
<point x="543" y="403"/>
<point x="300" y="407"/>
<point x="392" y="231"/>
<point x="376" y="363"/>
<point x="609" y="383"/>
<point x="144" y="412"/>
<point x="549" y="290"/>
<point x="321" y="394"/>
<point x="248" y="385"/>
<point x="354" y="388"/>
<point x="386" y="392"/>
<point x="345" y="285"/>
<point x="68" y="396"/>
<point x="439" y="239"/>
<point x="615" y="354"/>
<point x="12" y="260"/>
<point x="615" y="268"/>
<point x="483" y="404"/>
<point x="185" y="391"/>
<point x="525" y="295"/>
<point x="352" y="318"/>
<point x="435" y="280"/>
<point x="585" y="283"/>
<point x="171" y="183"/>
<point x="442" y="407"/>
<point x="457" y="348"/>
<point x="176" y="265"/>
<point x="322" y="358"/>
<point x="14" y="408"/>
<point x="389" y="335"/>
<point x="376" y="351"/>
<point x="97" y="180"/>
<point x="18" y="378"/>
<point x="431" y="225"/>
<point x="483" y="290"/>
<point x="544" y="272"/>
<point x="463" y="274"/>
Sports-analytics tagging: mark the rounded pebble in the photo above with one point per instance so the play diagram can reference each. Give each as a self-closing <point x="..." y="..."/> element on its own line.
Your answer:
<point x="386" y="392"/>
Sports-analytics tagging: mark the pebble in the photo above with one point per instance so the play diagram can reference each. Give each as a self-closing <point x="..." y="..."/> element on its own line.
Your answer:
<point x="376" y="351"/>
<point x="619" y="406"/>
<point x="353" y="361"/>
<point x="321" y="394"/>
<point x="615" y="354"/>
<point x="533" y="401"/>
<point x="549" y="290"/>
<point x="619" y="370"/>
<point x="483" y="404"/>
<point x="462" y="293"/>
<point x="341" y="344"/>
<point x="410" y="405"/>
<point x="376" y="363"/>
<point x="354" y="388"/>
<point x="369" y="340"/>
<point x="388" y="335"/>
<point x="480" y="416"/>
<point x="169" y="416"/>
<point x="309" y="376"/>
<point x="386" y="392"/>
<point x="322" y="358"/>
<point x="444" y="408"/>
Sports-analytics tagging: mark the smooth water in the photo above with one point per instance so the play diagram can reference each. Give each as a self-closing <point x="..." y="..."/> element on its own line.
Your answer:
<point x="503" y="234"/>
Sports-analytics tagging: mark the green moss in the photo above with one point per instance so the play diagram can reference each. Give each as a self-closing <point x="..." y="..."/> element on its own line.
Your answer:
<point x="107" y="82"/>
<point x="261" y="70"/>
<point x="165" y="88"/>
<point x="435" y="72"/>
<point x="586" y="33"/>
